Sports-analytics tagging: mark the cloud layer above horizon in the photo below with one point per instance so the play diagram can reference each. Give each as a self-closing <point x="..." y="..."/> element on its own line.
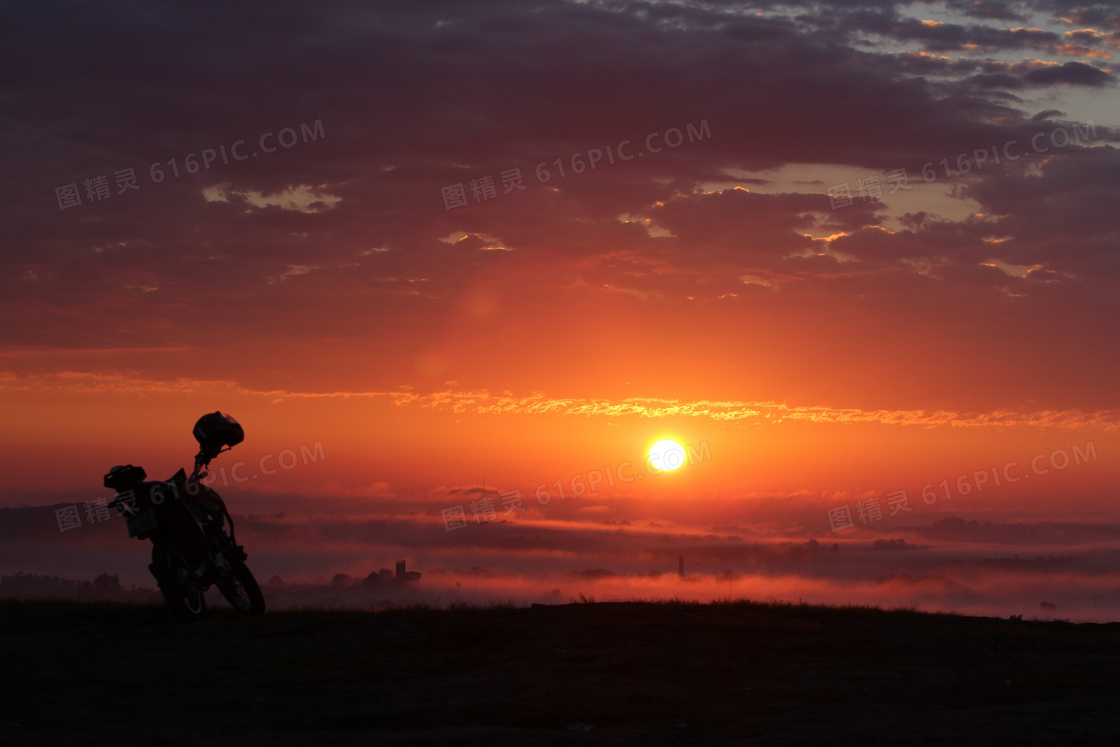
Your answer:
<point x="344" y="236"/>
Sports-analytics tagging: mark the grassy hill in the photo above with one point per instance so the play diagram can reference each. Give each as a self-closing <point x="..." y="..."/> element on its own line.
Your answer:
<point x="597" y="673"/>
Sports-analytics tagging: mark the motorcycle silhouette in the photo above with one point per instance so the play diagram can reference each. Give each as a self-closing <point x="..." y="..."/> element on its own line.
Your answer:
<point x="186" y="521"/>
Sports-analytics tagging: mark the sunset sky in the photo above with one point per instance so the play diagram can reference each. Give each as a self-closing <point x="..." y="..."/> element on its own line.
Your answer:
<point x="839" y="249"/>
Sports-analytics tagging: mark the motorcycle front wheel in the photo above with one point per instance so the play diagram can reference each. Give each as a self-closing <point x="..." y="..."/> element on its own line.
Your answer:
<point x="178" y="583"/>
<point x="241" y="589"/>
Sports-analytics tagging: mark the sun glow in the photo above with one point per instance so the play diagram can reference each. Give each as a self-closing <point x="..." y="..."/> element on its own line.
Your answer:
<point x="667" y="455"/>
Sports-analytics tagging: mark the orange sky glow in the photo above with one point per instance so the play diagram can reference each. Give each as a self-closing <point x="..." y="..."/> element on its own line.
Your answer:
<point x="401" y="351"/>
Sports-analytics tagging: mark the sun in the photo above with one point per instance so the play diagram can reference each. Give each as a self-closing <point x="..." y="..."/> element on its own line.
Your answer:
<point x="667" y="455"/>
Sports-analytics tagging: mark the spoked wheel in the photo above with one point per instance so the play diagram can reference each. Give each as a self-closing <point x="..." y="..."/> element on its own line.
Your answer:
<point x="177" y="583"/>
<point x="241" y="589"/>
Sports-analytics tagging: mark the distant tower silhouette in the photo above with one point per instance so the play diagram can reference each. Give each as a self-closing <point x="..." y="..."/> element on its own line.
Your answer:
<point x="406" y="577"/>
<point x="680" y="566"/>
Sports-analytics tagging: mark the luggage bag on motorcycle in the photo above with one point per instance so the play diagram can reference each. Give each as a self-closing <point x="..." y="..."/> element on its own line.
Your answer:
<point x="124" y="476"/>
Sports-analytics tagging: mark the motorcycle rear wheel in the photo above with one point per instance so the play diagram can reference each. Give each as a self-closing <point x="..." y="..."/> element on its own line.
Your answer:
<point x="241" y="589"/>
<point x="178" y="583"/>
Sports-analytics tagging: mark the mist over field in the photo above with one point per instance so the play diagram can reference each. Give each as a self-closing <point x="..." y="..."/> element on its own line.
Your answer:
<point x="1043" y="569"/>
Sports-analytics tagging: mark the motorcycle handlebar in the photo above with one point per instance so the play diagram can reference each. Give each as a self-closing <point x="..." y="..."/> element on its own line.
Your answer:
<point x="203" y="457"/>
<point x="121" y="500"/>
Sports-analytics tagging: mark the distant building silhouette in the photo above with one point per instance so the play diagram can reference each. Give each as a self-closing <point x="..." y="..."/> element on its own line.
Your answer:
<point x="385" y="576"/>
<point x="406" y="577"/>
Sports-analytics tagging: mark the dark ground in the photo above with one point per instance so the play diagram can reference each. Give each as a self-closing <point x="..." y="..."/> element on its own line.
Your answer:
<point x="626" y="674"/>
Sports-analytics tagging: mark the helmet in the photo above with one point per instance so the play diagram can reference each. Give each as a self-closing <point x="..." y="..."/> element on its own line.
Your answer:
<point x="215" y="431"/>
